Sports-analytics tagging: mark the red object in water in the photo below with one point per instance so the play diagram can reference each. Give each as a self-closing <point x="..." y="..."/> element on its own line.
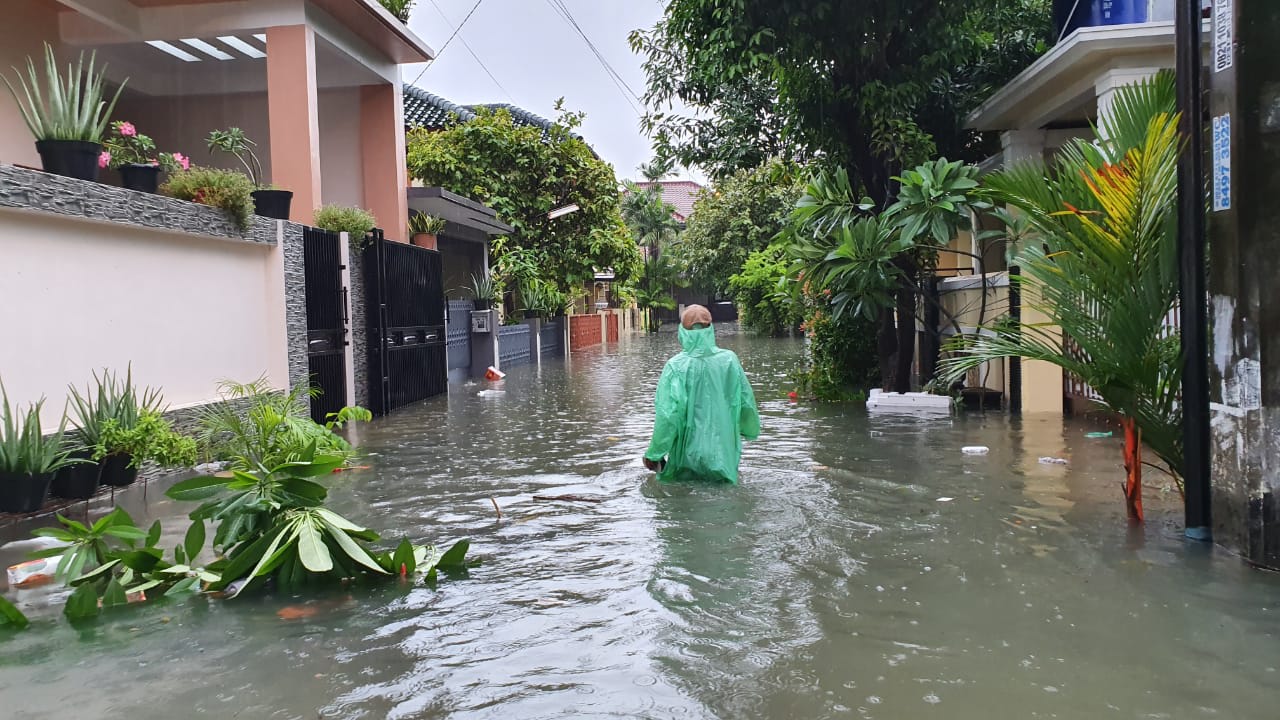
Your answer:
<point x="1133" y="468"/>
<point x="297" y="612"/>
<point x="792" y="396"/>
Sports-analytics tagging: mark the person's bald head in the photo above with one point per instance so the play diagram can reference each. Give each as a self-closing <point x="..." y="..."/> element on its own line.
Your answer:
<point x="695" y="315"/>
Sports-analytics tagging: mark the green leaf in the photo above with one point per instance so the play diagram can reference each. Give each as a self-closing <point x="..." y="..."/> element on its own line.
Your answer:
<point x="354" y="551"/>
<point x="404" y="557"/>
<point x="185" y="586"/>
<point x="455" y="556"/>
<point x="11" y="615"/>
<point x="194" y="541"/>
<point x="142" y="561"/>
<point x="153" y="535"/>
<point x="312" y="551"/>
<point x="97" y="573"/>
<point x="125" y="532"/>
<point x="198" y="488"/>
<point x="144" y="586"/>
<point x="114" y="595"/>
<point x="46" y="552"/>
<point x="82" y="604"/>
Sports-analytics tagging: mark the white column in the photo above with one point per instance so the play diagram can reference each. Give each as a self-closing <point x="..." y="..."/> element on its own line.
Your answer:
<point x="1021" y="146"/>
<point x="1109" y="82"/>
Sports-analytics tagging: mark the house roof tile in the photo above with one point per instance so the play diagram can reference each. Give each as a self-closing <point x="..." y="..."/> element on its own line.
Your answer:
<point x="680" y="194"/>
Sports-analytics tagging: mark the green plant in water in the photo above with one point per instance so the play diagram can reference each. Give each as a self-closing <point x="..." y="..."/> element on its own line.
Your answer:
<point x="149" y="438"/>
<point x="88" y="546"/>
<point x="24" y="448"/>
<point x="354" y="221"/>
<point x="227" y="190"/>
<point x="64" y="108"/>
<point x="423" y="224"/>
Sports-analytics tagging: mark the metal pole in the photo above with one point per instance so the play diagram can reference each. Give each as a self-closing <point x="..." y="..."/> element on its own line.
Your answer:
<point x="1191" y="256"/>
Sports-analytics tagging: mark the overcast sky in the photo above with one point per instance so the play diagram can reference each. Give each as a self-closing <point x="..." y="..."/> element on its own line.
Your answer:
<point x="535" y="56"/>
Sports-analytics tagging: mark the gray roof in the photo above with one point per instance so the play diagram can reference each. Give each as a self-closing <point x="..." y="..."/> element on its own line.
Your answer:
<point x="430" y="111"/>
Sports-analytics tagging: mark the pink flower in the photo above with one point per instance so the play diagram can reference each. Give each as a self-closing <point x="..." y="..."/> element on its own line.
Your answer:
<point x="182" y="160"/>
<point x="104" y="159"/>
<point x="128" y="130"/>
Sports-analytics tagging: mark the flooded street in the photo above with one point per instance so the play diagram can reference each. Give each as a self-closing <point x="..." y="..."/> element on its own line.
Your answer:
<point x="864" y="568"/>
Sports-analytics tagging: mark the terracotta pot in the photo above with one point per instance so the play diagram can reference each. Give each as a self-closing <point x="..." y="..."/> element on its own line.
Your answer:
<point x="424" y="240"/>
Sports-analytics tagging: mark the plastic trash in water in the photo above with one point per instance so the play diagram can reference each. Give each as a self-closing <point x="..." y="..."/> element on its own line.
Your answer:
<point x="491" y="393"/>
<point x="32" y="573"/>
<point x="975" y="450"/>
<point x="494" y="373"/>
<point x="1097" y="435"/>
<point x="1053" y="461"/>
<point x="945" y="499"/>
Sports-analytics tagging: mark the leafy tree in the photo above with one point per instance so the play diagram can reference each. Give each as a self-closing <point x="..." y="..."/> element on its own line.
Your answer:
<point x="741" y="215"/>
<point x="1102" y="266"/>
<point x="655" y="289"/>
<point x="523" y="176"/>
<point x="871" y="86"/>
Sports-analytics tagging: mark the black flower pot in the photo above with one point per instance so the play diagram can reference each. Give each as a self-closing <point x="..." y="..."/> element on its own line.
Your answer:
<point x="272" y="203"/>
<point x="79" y="481"/>
<point x="22" y="492"/>
<point x="482" y="304"/>
<point x="117" y="470"/>
<point x="70" y="158"/>
<point x="143" y="178"/>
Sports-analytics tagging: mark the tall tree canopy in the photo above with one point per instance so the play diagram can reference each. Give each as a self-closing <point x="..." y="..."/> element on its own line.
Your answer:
<point x="523" y="175"/>
<point x="873" y="86"/>
<point x="740" y="215"/>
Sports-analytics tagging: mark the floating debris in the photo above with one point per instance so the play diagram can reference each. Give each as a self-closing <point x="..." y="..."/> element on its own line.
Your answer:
<point x="1098" y="435"/>
<point x="945" y="499"/>
<point x="975" y="450"/>
<point x="1053" y="461"/>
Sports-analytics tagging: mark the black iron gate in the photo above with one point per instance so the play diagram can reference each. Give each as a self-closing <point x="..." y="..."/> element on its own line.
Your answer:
<point x="326" y="321"/>
<point x="405" y="293"/>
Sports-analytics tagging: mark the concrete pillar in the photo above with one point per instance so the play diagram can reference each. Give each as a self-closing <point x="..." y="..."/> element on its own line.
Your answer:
<point x="1042" y="383"/>
<point x="294" y="117"/>
<point x="382" y="153"/>
<point x="1109" y="82"/>
<point x="1244" y="238"/>
<point x="484" y="346"/>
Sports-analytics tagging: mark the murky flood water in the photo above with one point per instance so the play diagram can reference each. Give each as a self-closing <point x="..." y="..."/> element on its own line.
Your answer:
<point x="864" y="568"/>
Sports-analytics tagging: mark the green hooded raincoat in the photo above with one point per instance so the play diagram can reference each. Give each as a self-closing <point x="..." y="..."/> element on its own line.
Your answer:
<point x="704" y="407"/>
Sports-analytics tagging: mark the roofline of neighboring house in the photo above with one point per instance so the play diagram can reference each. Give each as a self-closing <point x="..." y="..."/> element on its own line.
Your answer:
<point x="407" y="46"/>
<point x="1060" y="67"/>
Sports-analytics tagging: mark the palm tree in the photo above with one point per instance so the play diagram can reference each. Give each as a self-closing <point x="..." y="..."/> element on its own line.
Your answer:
<point x="1102" y="266"/>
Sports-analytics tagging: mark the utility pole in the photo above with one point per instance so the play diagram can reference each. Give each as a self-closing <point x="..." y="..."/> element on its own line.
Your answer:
<point x="1192" y="294"/>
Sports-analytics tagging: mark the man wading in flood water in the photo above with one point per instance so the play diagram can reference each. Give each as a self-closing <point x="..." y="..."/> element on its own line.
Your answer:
<point x="704" y="407"/>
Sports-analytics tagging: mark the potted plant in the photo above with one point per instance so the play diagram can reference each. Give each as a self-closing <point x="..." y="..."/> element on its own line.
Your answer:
<point x="268" y="201"/>
<point x="227" y="190"/>
<point x="484" y="291"/>
<point x="134" y="156"/>
<point x="424" y="228"/>
<point x="124" y="445"/>
<point x="355" y="222"/>
<point x="80" y="481"/>
<point x="28" y="457"/>
<point x="67" y="115"/>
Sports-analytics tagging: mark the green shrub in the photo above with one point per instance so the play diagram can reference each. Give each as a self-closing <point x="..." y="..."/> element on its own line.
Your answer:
<point x="354" y="221"/>
<point x="843" y="364"/>
<point x="762" y="307"/>
<point x="227" y="190"/>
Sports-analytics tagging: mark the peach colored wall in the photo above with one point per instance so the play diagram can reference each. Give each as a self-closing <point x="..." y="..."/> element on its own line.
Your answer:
<point x="187" y="311"/>
<point x="383" y="150"/>
<point x="340" y="160"/>
<point x="293" y="104"/>
<point x="27" y="25"/>
<point x="181" y="124"/>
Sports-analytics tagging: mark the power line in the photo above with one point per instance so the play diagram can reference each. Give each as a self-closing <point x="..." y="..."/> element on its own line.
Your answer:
<point x="472" y="51"/>
<point x="562" y="10"/>
<point x="595" y="50"/>
<point x="446" y="42"/>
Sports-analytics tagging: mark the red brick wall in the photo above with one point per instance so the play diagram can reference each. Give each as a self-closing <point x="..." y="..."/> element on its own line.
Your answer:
<point x="613" y="327"/>
<point x="584" y="331"/>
